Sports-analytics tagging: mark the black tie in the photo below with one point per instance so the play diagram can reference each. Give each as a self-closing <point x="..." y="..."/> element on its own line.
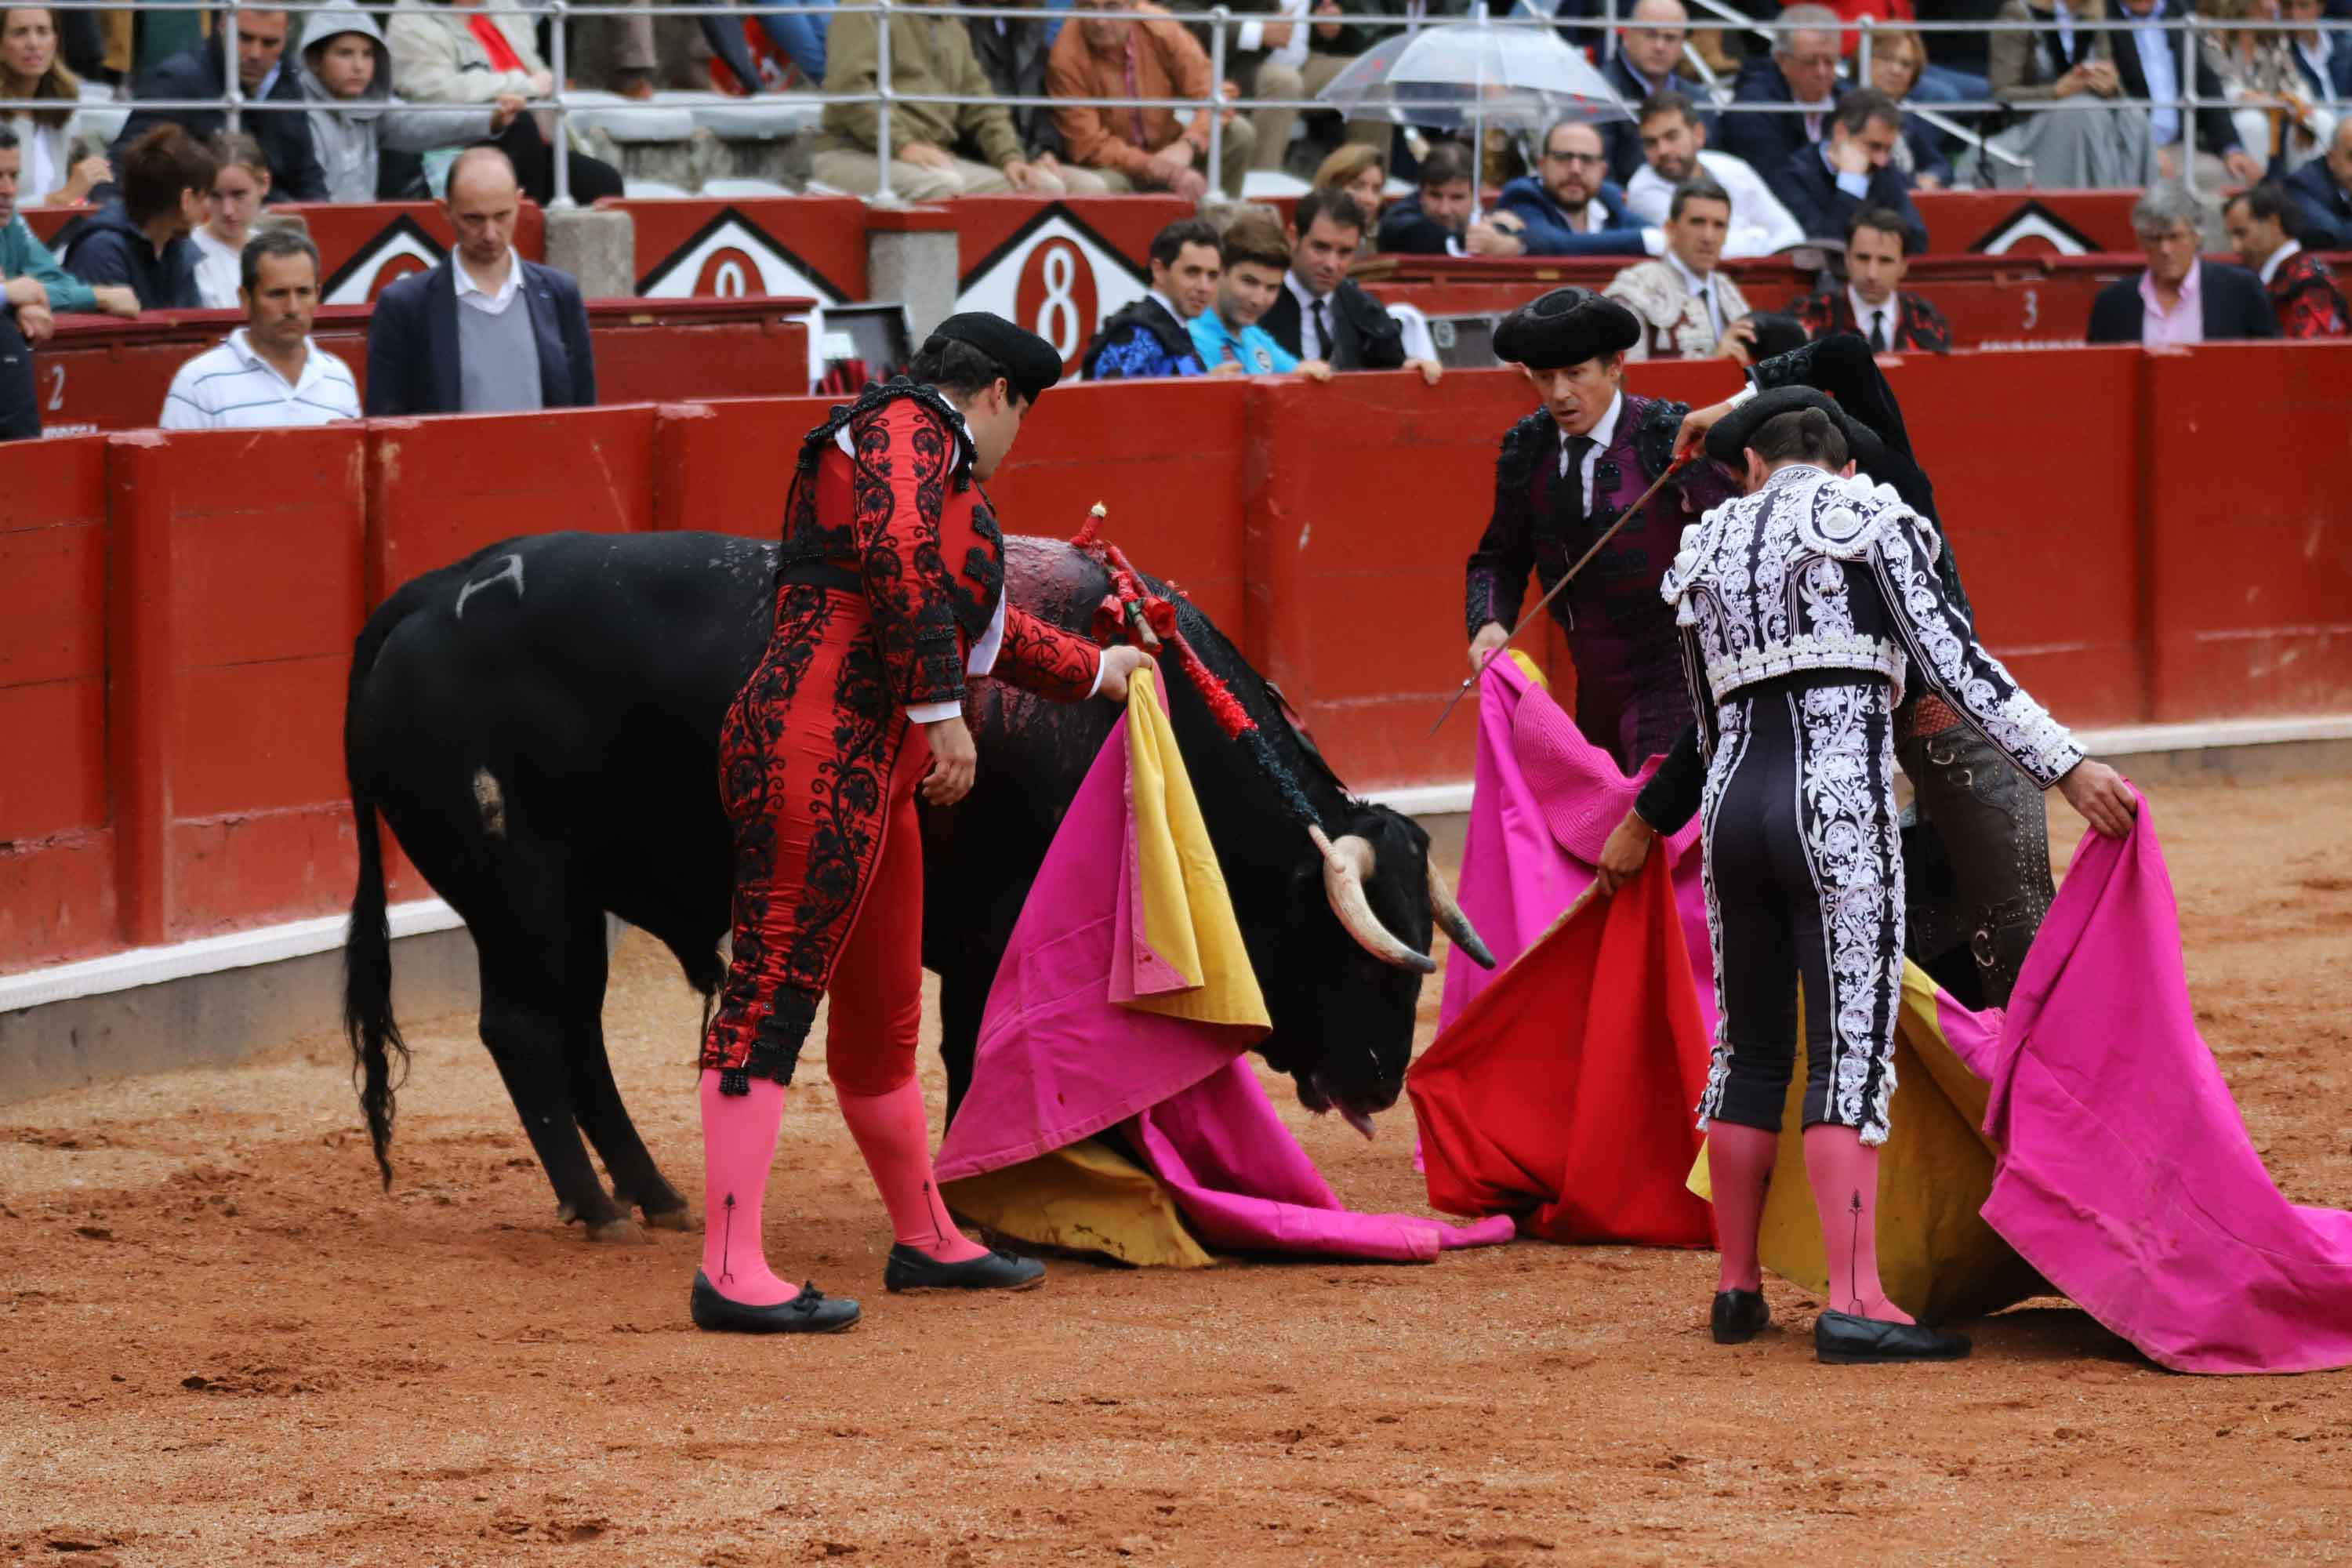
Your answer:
<point x="1878" y="332"/>
<point x="1322" y="329"/>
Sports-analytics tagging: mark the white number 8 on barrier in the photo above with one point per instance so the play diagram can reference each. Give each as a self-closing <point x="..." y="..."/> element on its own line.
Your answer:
<point x="1057" y="314"/>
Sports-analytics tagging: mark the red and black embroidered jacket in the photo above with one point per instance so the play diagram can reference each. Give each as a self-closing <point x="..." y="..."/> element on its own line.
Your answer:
<point x="1918" y="325"/>
<point x="901" y="511"/>
<point x="2309" y="303"/>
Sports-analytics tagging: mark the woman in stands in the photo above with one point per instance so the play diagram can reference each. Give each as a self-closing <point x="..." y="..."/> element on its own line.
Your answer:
<point x="1897" y="59"/>
<point x="40" y="99"/>
<point x="240" y="185"/>
<point x="1363" y="174"/>
<point x="890" y="595"/>
<point x="1805" y="607"/>
<point x="142" y="241"/>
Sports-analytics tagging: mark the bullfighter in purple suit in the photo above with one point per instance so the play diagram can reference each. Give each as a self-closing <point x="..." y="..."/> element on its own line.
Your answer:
<point x="1565" y="474"/>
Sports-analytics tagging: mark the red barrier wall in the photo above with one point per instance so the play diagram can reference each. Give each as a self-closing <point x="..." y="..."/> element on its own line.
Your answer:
<point x="176" y="611"/>
<point x="99" y="373"/>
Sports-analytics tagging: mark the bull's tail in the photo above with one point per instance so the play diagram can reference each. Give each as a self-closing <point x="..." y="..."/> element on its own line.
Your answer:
<point x="368" y="1022"/>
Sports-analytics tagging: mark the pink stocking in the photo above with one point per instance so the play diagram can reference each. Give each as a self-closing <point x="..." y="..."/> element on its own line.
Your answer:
<point x="1843" y="1171"/>
<point x="895" y="1136"/>
<point x="1739" y="1171"/>
<point x="739" y="1144"/>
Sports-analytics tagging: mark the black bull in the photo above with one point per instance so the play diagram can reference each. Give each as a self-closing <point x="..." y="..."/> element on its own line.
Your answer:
<point x="539" y="726"/>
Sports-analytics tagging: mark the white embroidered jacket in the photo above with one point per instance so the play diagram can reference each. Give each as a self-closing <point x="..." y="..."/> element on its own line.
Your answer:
<point x="1675" y="323"/>
<point x="1814" y="572"/>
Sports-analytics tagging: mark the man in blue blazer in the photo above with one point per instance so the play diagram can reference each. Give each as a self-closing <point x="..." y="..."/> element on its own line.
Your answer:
<point x="486" y="332"/>
<point x="1802" y="68"/>
<point x="2323" y="188"/>
<point x="1567" y="207"/>
<point x="1825" y="185"/>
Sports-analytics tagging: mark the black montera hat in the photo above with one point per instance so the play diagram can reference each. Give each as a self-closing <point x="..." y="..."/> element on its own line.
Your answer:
<point x="1029" y="361"/>
<point x="1566" y="327"/>
<point x="1735" y="430"/>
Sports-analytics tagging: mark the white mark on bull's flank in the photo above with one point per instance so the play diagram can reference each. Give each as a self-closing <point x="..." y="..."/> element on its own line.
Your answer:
<point x="493" y="802"/>
<point x="511" y="567"/>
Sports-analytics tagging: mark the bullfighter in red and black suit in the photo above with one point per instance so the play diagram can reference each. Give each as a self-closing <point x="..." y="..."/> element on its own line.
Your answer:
<point x="2309" y="301"/>
<point x="890" y="595"/>
<point x="1565" y="473"/>
<point x="1919" y="327"/>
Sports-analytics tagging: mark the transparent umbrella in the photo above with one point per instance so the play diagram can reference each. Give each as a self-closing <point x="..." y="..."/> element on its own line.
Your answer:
<point x="1469" y="75"/>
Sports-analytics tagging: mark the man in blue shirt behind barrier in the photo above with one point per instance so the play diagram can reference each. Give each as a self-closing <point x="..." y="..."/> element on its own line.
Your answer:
<point x="1227" y="336"/>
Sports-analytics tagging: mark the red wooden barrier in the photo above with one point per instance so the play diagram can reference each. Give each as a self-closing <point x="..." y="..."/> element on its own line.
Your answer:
<point x="57" y="848"/>
<point x="102" y="374"/>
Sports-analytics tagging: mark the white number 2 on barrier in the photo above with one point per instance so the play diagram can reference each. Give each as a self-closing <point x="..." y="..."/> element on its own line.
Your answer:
<point x="57" y="387"/>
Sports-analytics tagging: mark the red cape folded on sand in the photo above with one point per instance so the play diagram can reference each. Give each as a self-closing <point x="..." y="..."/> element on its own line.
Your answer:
<point x="1567" y="1103"/>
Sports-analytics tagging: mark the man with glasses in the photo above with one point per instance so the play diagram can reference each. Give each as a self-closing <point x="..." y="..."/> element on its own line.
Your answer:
<point x="1644" y="67"/>
<point x="1802" y="70"/>
<point x="1567" y="208"/>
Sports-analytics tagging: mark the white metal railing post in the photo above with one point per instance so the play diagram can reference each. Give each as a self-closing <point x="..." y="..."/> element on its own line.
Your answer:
<point x="885" y="95"/>
<point x="1609" y="31"/>
<point x="232" y="73"/>
<point x="1215" y="172"/>
<point x="2188" y="101"/>
<point x="559" y="64"/>
<point x="1861" y="53"/>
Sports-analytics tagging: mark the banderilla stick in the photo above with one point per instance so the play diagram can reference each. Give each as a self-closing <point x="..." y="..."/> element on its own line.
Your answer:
<point x="1566" y="578"/>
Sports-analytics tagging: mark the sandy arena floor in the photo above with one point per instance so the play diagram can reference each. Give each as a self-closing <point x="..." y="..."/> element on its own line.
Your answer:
<point x="223" y="1344"/>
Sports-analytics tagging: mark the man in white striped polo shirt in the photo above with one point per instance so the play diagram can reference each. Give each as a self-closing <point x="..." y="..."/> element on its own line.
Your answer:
<point x="268" y="373"/>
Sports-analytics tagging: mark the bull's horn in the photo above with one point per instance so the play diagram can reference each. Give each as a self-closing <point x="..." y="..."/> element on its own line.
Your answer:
<point x="1454" y="922"/>
<point x="1346" y="863"/>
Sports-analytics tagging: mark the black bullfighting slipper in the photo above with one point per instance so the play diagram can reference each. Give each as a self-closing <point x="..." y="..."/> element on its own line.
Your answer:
<point x="810" y="1312"/>
<point x="1739" y="1316"/>
<point x="911" y="1269"/>
<point x="1843" y="1338"/>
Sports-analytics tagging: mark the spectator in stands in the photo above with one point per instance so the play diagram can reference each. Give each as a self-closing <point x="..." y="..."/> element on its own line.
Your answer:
<point x="263" y="75"/>
<point x="1288" y="53"/>
<point x="2148" y="65"/>
<point x="2322" y="189"/>
<point x="1673" y="140"/>
<point x="2058" y="62"/>
<point x="2323" y="59"/>
<point x="931" y="143"/>
<point x="1644" y="67"/>
<point x="346" y="68"/>
<point x="1150" y="55"/>
<point x="1872" y="304"/>
<point x="1567" y="208"/>
<point x="1686" y="308"/>
<point x="1435" y="219"/>
<point x="1360" y="170"/>
<point x="1827" y="183"/>
<point x="31" y="73"/>
<point x="486" y="332"/>
<point x="1897" y="60"/>
<point x="36" y="290"/>
<point x="1012" y="52"/>
<point x="2302" y="289"/>
<point x="802" y="37"/>
<point x="1320" y="314"/>
<point x="1230" y="341"/>
<point x="240" y="185"/>
<point x="2178" y="299"/>
<point x="2255" y="67"/>
<point x="141" y="240"/>
<point x="1148" y="337"/>
<point x="1802" y="68"/>
<point x="459" y="53"/>
<point x="267" y="372"/>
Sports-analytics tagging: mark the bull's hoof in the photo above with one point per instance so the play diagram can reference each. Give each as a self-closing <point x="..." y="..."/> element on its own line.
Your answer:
<point x="621" y="1229"/>
<point x="679" y="1218"/>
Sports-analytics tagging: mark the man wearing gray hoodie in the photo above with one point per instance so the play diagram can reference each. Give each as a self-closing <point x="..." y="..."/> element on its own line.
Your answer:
<point x="346" y="68"/>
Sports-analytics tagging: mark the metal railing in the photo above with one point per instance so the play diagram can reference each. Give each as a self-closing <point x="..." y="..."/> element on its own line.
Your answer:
<point x="886" y="97"/>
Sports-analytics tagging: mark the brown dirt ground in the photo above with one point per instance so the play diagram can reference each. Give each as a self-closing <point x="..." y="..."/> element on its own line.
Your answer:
<point x="223" y="1344"/>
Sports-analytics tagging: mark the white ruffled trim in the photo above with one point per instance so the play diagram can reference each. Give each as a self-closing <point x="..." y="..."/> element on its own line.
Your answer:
<point x="1809" y="651"/>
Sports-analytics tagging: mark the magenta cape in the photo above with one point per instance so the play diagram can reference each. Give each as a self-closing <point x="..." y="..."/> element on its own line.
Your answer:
<point x="2128" y="1177"/>
<point x="1544" y="801"/>
<point x="1060" y="1058"/>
